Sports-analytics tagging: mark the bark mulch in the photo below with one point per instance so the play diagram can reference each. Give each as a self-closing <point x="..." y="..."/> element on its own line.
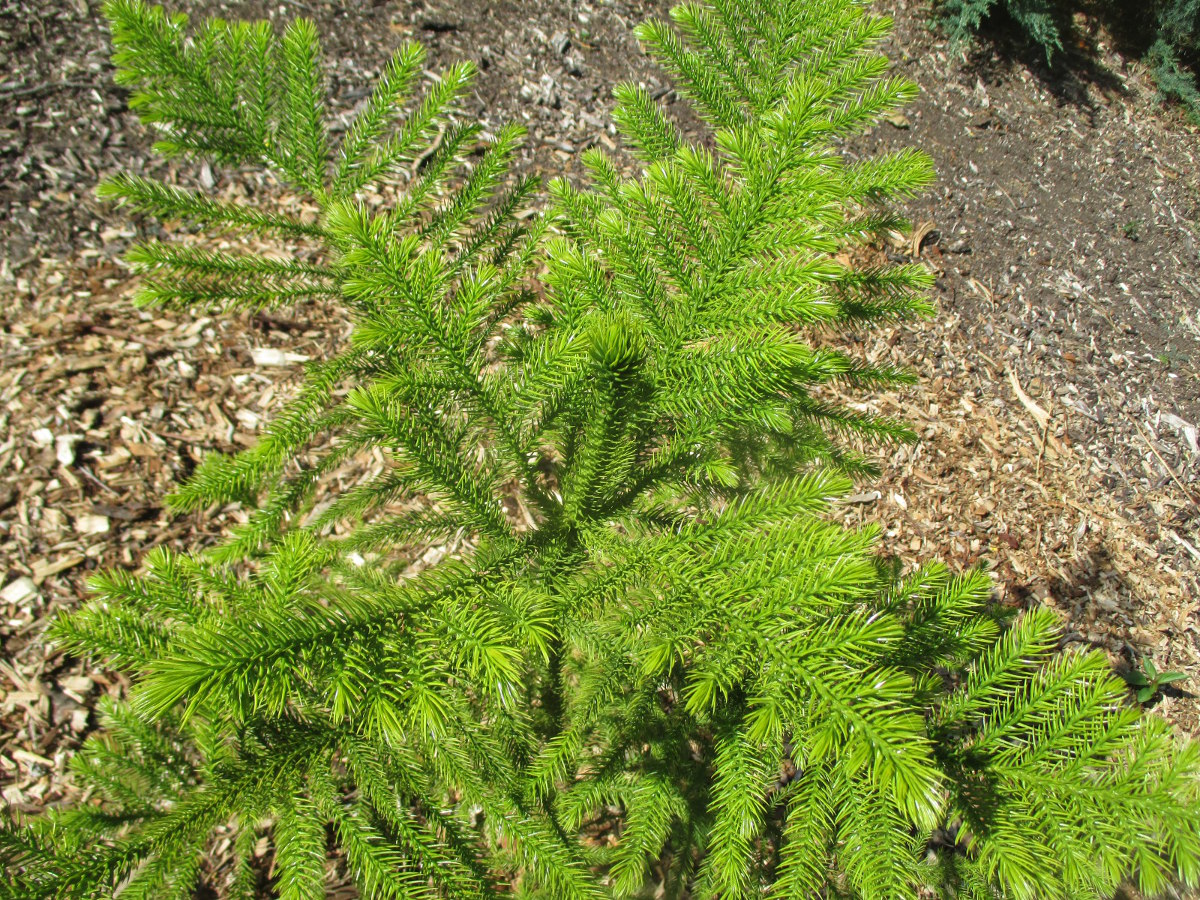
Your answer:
<point x="1059" y="384"/>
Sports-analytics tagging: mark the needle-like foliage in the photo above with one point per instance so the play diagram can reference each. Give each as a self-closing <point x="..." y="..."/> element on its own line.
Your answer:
<point x="590" y="631"/>
<point x="1166" y="31"/>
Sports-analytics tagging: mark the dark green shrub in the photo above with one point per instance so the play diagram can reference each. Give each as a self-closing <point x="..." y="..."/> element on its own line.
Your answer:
<point x="1166" y="31"/>
<point x="1175" y="53"/>
<point x="1039" y="19"/>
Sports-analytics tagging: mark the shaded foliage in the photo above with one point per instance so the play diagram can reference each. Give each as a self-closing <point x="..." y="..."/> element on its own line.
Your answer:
<point x="1165" y="32"/>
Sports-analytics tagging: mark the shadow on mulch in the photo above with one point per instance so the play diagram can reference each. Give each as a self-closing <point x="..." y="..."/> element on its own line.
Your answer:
<point x="1080" y="65"/>
<point x="1085" y="576"/>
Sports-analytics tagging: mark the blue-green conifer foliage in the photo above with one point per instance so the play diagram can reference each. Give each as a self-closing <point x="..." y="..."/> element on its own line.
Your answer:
<point x="1168" y="31"/>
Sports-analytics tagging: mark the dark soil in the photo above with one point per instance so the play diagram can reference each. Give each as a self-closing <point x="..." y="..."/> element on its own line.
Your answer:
<point x="1073" y="202"/>
<point x="1063" y="228"/>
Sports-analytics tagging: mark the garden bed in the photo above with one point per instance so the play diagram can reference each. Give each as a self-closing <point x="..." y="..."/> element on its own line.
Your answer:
<point x="1060" y="382"/>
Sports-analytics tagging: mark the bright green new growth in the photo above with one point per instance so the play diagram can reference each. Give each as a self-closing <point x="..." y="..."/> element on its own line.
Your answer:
<point x="639" y="657"/>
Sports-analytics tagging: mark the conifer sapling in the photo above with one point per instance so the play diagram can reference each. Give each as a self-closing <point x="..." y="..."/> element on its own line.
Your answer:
<point x="647" y="663"/>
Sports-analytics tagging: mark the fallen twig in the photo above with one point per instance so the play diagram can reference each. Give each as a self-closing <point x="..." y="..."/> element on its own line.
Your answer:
<point x="1040" y="416"/>
<point x="1170" y="471"/>
<point x="1184" y="543"/>
<point x="46" y="88"/>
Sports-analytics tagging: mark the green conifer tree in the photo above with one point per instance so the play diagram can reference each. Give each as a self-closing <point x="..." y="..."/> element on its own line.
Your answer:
<point x="650" y="662"/>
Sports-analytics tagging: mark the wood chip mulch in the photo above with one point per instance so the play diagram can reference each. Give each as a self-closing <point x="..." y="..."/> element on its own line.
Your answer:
<point x="1057" y="404"/>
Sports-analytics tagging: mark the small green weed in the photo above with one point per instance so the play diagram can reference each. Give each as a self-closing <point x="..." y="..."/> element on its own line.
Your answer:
<point x="1147" y="681"/>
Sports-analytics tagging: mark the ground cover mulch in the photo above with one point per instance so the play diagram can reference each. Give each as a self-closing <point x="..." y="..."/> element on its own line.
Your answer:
<point x="1059" y="385"/>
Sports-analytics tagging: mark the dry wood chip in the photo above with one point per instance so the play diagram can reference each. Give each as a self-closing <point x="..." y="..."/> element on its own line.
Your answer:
<point x="44" y="569"/>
